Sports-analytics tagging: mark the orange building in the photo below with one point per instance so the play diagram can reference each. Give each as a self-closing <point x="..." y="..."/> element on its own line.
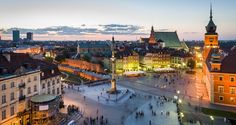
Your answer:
<point x="84" y="65"/>
<point x="219" y="71"/>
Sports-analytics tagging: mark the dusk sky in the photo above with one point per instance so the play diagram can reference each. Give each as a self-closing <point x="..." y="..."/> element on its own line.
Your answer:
<point x="126" y="19"/>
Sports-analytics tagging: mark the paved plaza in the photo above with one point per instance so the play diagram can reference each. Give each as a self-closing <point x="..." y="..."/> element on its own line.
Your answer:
<point x="139" y="101"/>
<point x="155" y="113"/>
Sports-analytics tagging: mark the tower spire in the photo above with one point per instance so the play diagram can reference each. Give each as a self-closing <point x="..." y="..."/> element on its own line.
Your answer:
<point x="211" y="11"/>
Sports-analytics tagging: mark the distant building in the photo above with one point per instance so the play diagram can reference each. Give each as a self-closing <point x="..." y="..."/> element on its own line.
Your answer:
<point x="29" y="36"/>
<point x="219" y="70"/>
<point x="16" y="35"/>
<point x="163" y="39"/>
<point x="29" y="49"/>
<point x="94" y="48"/>
<point x="21" y="78"/>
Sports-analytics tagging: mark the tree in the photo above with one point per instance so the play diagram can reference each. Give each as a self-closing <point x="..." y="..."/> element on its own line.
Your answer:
<point x="60" y="58"/>
<point x="87" y="57"/>
<point x="191" y="64"/>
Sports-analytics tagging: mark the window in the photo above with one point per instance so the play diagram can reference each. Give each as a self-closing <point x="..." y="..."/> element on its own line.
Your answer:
<point x="232" y="99"/>
<point x="3" y="114"/>
<point x="43" y="86"/>
<point x="232" y="90"/>
<point x="221" y="98"/>
<point x="35" y="78"/>
<point x="35" y="88"/>
<point x="12" y="84"/>
<point x="48" y="90"/>
<point x="12" y="111"/>
<point x="58" y="91"/>
<point x="52" y="71"/>
<point x="220" y="78"/>
<point x="53" y="91"/>
<point x="48" y="84"/>
<point x="231" y="79"/>
<point x="12" y="96"/>
<point x="29" y="80"/>
<point x="220" y="89"/>
<point x="53" y="82"/>
<point x="4" y="87"/>
<point x="58" y="80"/>
<point x="42" y="74"/>
<point x="4" y="99"/>
<point x="29" y="90"/>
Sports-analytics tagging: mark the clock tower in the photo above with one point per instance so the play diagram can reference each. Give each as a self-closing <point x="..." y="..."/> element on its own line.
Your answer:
<point x="211" y="37"/>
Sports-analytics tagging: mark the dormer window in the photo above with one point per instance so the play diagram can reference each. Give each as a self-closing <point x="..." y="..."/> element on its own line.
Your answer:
<point x="42" y="74"/>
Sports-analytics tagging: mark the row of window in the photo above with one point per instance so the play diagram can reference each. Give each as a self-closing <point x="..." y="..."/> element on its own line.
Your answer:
<point x="232" y="79"/>
<point x="232" y="99"/>
<point x="49" y="84"/>
<point x="232" y="90"/>
<point x="4" y="113"/>
<point x="4" y="98"/>
<point x="12" y="85"/>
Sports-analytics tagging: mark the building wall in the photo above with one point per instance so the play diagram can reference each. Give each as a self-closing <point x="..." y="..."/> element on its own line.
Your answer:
<point x="84" y="65"/>
<point x="51" y="85"/>
<point x="224" y="88"/>
<point x="31" y="80"/>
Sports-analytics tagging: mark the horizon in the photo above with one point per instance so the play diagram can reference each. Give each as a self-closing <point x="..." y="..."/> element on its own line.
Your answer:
<point x="91" y="20"/>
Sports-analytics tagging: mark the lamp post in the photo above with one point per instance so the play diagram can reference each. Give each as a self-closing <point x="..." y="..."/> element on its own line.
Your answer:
<point x="212" y="119"/>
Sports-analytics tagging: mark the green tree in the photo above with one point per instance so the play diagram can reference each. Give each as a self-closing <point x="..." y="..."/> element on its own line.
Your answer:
<point x="87" y="57"/>
<point x="60" y="58"/>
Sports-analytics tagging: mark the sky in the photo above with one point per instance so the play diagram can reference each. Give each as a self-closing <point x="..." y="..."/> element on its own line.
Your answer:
<point x="125" y="19"/>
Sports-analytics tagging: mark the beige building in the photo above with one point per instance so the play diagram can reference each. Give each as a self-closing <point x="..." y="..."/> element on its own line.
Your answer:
<point x="21" y="78"/>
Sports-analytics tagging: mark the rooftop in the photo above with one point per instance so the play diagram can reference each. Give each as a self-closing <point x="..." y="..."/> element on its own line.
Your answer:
<point x="43" y="98"/>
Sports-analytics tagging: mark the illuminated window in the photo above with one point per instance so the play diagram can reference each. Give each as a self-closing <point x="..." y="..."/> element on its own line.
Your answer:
<point x="232" y="99"/>
<point x="220" y="89"/>
<point x="221" y="98"/>
<point x="232" y="90"/>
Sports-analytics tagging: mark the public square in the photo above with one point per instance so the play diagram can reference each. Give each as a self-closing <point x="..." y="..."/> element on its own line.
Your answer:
<point x="142" y="105"/>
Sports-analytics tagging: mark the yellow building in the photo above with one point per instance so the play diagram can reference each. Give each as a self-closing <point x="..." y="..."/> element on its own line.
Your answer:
<point x="219" y="71"/>
<point x="127" y="61"/>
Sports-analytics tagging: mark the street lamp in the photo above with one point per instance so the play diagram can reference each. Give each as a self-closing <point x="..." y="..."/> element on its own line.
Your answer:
<point x="180" y="101"/>
<point x="212" y="119"/>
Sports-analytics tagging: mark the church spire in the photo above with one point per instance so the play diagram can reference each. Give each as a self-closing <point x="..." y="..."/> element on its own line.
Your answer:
<point x="211" y="12"/>
<point x="211" y="27"/>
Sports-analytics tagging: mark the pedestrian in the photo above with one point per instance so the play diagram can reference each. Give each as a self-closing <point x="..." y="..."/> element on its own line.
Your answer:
<point x="150" y="122"/>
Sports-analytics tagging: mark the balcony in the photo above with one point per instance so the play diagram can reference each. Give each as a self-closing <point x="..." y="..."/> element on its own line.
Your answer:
<point x="21" y="98"/>
<point x="21" y="85"/>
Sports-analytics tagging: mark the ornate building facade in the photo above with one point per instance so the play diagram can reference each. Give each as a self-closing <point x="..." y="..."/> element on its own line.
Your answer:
<point x="219" y="71"/>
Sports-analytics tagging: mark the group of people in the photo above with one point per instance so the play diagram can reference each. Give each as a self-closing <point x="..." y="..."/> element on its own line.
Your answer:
<point x="96" y="121"/>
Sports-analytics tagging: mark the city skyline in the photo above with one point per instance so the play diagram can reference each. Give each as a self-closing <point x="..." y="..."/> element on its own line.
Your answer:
<point x="127" y="20"/>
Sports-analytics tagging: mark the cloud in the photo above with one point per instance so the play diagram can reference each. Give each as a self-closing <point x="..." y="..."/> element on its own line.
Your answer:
<point x="115" y="29"/>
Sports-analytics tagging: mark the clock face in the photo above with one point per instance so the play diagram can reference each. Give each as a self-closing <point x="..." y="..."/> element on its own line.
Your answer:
<point x="211" y="39"/>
